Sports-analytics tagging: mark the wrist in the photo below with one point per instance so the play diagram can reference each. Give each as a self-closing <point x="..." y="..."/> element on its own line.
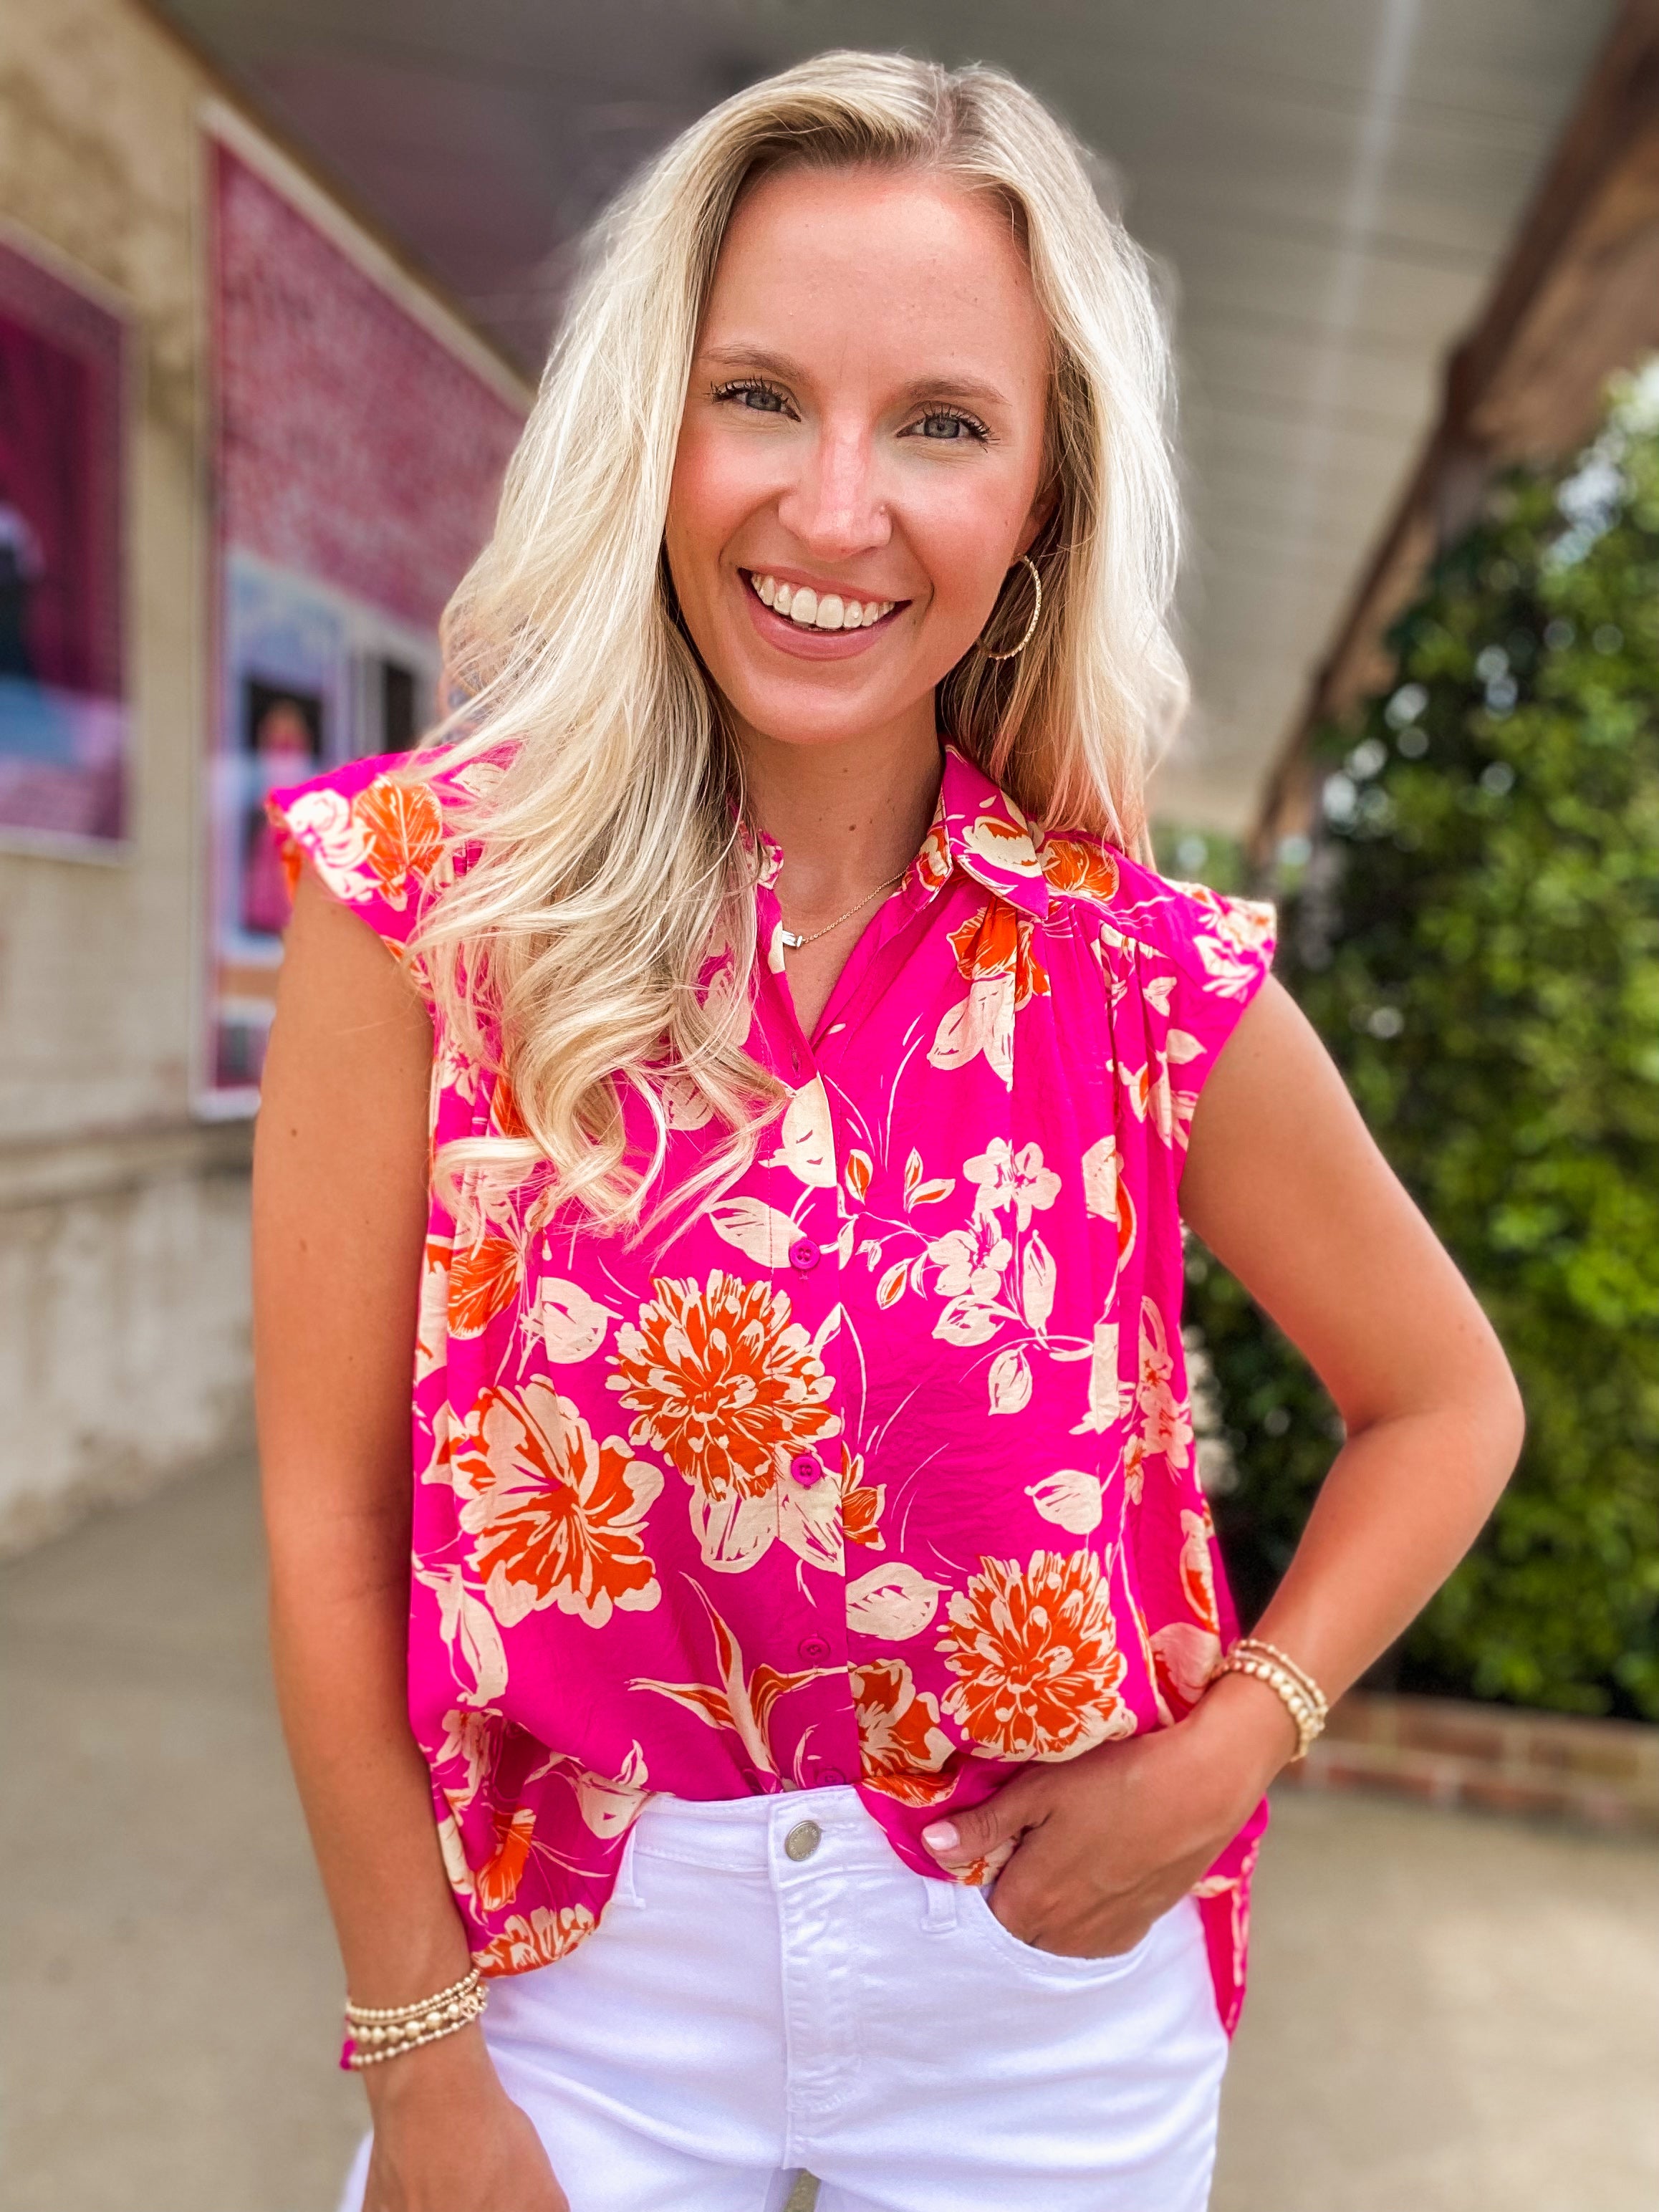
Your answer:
<point x="457" y="2068"/>
<point x="1244" y="1727"/>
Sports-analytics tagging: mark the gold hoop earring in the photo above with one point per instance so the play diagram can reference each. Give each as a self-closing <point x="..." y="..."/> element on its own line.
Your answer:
<point x="1030" y="627"/>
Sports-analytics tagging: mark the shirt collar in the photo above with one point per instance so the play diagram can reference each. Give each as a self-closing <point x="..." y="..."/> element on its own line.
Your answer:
<point x="978" y="828"/>
<point x="975" y="827"/>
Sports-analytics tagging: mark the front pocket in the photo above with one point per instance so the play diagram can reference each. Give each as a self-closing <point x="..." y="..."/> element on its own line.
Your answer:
<point x="1053" y="1963"/>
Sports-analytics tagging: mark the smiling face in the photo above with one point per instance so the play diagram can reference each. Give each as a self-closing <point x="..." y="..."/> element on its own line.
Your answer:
<point x="860" y="458"/>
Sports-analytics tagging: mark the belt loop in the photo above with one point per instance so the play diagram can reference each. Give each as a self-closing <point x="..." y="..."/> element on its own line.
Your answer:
<point x="627" y="1892"/>
<point x="938" y="1907"/>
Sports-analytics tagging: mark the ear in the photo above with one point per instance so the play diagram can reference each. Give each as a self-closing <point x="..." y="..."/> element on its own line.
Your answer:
<point x="1038" y="517"/>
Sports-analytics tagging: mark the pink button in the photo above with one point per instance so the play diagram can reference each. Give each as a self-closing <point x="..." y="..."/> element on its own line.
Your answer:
<point x="808" y="1469"/>
<point x="804" y="1256"/>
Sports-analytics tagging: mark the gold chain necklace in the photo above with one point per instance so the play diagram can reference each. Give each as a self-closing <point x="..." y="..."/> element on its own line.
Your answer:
<point x="792" y="940"/>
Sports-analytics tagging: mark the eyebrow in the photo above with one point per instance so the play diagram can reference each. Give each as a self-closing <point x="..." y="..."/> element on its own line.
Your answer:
<point x="767" y="363"/>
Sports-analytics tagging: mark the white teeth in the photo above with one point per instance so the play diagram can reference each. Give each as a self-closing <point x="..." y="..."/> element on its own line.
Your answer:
<point x="802" y="604"/>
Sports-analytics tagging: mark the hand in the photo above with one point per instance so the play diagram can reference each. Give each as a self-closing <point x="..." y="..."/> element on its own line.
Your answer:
<point x="447" y="2138"/>
<point x="1104" y="1844"/>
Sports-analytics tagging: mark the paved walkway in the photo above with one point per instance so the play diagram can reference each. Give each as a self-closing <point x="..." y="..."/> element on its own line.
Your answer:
<point x="1451" y="2013"/>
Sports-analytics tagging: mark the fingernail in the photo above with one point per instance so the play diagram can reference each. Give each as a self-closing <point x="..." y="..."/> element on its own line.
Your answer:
<point x="941" y="1836"/>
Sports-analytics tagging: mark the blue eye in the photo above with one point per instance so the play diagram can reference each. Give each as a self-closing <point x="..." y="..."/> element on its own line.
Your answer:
<point x="755" y="398"/>
<point x="945" y="426"/>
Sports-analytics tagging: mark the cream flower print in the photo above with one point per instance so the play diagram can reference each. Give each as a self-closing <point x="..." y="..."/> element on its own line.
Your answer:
<point x="1165" y="1429"/>
<point x="1005" y="1177"/>
<point x="1034" y="1649"/>
<point x="729" y="1390"/>
<point x="557" y="1517"/>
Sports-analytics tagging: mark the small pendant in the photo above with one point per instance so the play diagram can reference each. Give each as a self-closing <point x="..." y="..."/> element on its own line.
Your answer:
<point x="793" y="940"/>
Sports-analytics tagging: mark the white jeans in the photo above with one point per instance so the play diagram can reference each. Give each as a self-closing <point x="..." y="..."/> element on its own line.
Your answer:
<point x="772" y="1988"/>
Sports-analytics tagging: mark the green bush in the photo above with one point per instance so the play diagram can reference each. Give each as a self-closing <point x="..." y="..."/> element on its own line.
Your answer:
<point x="1474" y="931"/>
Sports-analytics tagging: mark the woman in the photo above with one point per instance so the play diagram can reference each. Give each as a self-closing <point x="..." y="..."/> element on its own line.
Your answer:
<point x="802" y="1513"/>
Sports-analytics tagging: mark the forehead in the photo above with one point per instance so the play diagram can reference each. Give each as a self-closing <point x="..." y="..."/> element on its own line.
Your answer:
<point x="876" y="269"/>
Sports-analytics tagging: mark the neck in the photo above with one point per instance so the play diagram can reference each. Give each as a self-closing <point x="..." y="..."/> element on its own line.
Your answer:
<point x="848" y="814"/>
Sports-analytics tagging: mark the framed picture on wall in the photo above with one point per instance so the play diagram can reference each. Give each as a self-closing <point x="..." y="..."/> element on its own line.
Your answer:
<point x="63" y="712"/>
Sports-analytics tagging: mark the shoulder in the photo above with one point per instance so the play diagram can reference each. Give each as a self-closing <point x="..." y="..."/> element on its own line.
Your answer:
<point x="385" y="834"/>
<point x="1222" y="944"/>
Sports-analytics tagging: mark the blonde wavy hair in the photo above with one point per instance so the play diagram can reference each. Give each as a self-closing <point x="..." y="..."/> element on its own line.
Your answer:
<point x="602" y="941"/>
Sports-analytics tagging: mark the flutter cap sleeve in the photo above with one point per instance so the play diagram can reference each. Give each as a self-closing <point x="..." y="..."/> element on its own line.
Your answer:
<point x="1222" y="950"/>
<point x="375" y="832"/>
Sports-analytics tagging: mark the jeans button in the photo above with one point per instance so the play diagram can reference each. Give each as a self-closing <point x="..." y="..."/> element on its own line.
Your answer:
<point x="803" y="1839"/>
<point x="804" y="1256"/>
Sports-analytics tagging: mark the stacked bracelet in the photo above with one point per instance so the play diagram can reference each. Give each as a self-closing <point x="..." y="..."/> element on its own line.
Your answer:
<point x="375" y="2032"/>
<point x="1299" y="1693"/>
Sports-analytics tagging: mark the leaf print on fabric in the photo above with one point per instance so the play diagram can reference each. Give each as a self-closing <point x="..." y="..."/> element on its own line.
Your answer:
<point x="403" y="834"/>
<point x="472" y="1741"/>
<point x="555" y="1514"/>
<point x="572" y="1324"/>
<point x="1005" y="841"/>
<point x="545" y="1937"/>
<point x="1009" y="1381"/>
<point x="432" y="1321"/>
<point x="806" y="1138"/>
<point x="471" y="1632"/>
<point x="730" y="1390"/>
<point x="759" y="1231"/>
<point x="483" y="1281"/>
<point x="1034" y="1649"/>
<point x="1106" y="1193"/>
<point x="902" y="1746"/>
<point x="1071" y="1498"/>
<point x="495" y="1883"/>
<point x="321" y="826"/>
<point x="741" y="1700"/>
<point x="1105" y="1408"/>
<point x="995" y="952"/>
<point x="1198" y="1569"/>
<point x="607" y="1804"/>
<point x="894" y="1603"/>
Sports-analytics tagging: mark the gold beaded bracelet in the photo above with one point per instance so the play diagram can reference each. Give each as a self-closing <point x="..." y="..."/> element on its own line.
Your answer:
<point x="1297" y="1690"/>
<point x="376" y="2032"/>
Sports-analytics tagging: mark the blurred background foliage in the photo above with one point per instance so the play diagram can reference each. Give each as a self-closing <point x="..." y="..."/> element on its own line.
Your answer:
<point x="1474" y="930"/>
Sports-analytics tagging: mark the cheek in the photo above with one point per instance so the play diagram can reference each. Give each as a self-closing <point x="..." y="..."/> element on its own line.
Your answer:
<point x="967" y="535"/>
<point x="710" y="496"/>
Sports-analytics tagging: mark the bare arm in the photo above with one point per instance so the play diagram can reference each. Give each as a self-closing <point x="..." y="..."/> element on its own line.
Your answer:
<point x="339" y="1219"/>
<point x="1284" y="1185"/>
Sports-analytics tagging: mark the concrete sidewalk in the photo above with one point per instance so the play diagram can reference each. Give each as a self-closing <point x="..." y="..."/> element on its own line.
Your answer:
<point x="1451" y="2013"/>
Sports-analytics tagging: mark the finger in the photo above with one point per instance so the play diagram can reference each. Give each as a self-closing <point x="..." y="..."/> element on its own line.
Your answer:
<point x="988" y="1830"/>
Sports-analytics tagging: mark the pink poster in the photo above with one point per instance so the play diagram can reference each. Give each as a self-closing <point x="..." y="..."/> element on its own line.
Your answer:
<point x="63" y="721"/>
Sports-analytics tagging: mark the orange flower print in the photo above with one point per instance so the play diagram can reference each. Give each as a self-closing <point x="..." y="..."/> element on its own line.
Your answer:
<point x="902" y="1746"/>
<point x="728" y="1388"/>
<point x="545" y="1937"/>
<point x="483" y="1281"/>
<point x="997" y="941"/>
<point x="1035" y="1652"/>
<point x="1198" y="1569"/>
<point x="1077" y="867"/>
<point x="495" y="1883"/>
<point x="861" y="1504"/>
<point x="1166" y="1423"/>
<point x="933" y="863"/>
<point x="556" y="1514"/>
<point x="403" y="833"/>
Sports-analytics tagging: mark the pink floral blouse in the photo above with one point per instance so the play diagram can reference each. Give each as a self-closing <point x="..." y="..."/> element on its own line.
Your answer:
<point x="883" y="1471"/>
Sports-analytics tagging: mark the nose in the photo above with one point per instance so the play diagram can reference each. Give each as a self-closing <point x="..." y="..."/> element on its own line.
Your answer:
<point x="833" y="506"/>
